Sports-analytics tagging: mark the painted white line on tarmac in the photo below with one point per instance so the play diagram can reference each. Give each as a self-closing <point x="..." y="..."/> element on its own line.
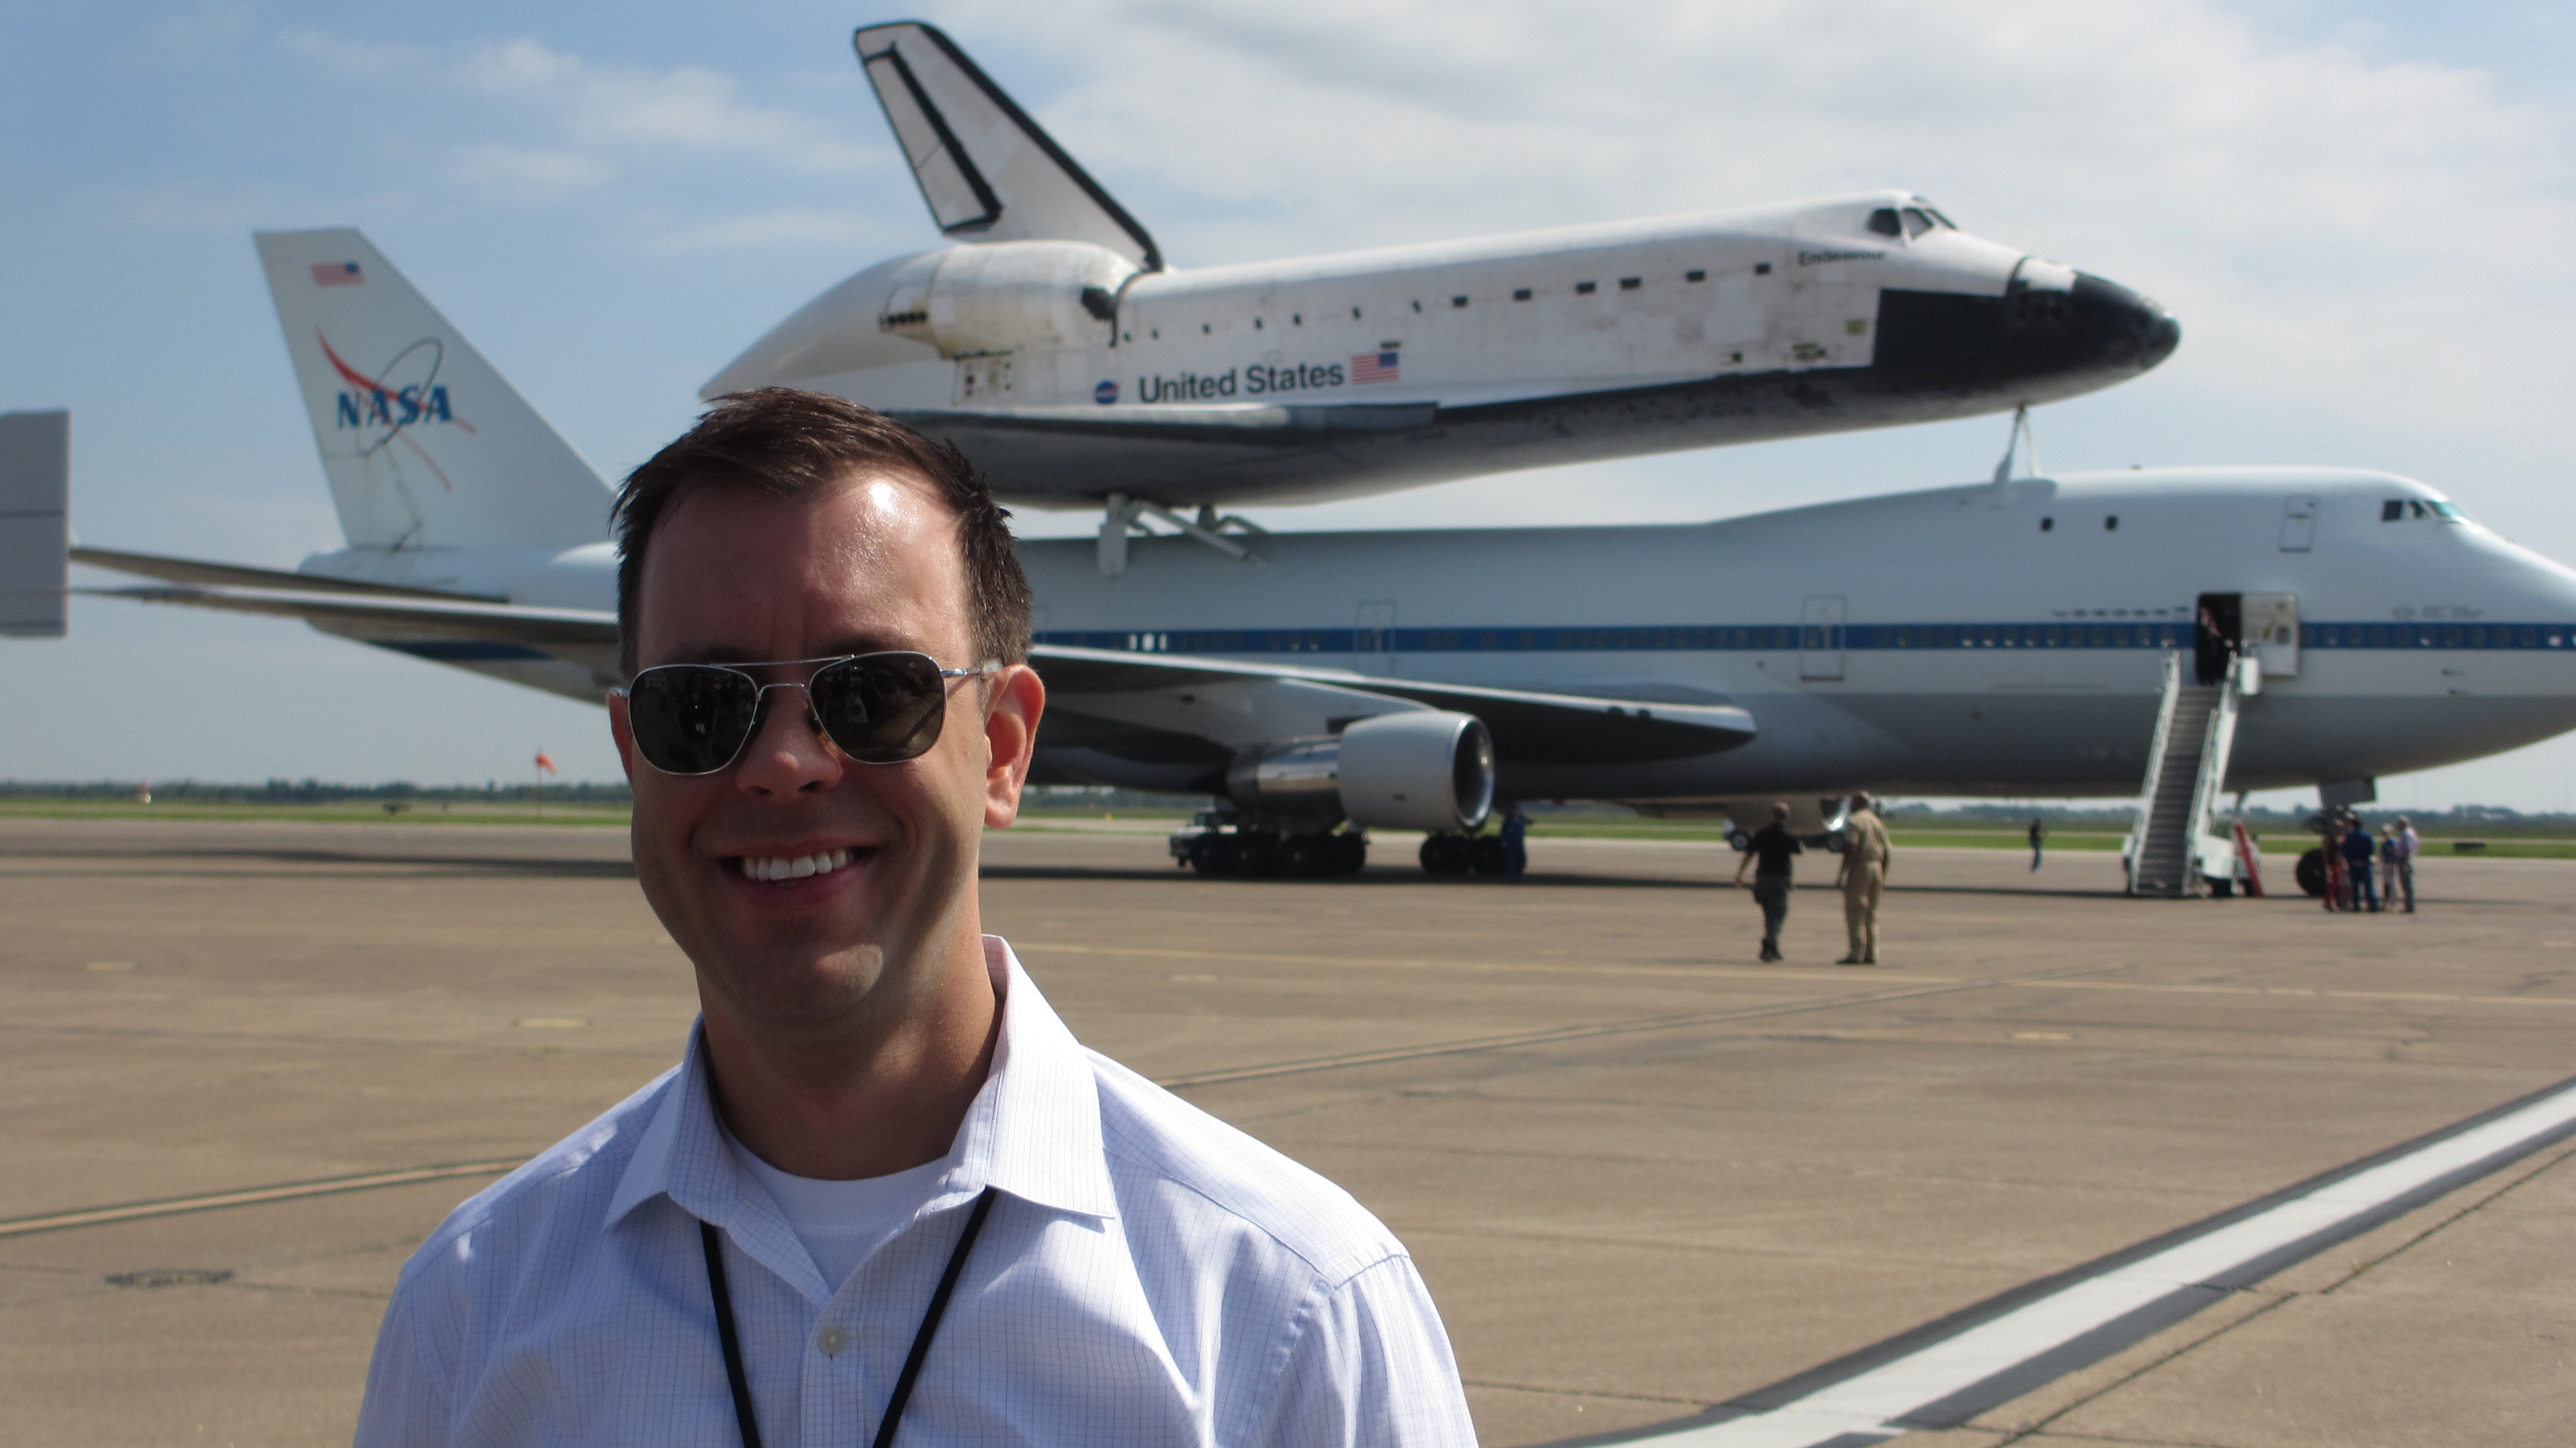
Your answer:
<point x="1992" y="1356"/>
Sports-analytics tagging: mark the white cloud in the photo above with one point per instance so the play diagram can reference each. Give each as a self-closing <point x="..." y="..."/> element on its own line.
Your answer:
<point x="528" y="176"/>
<point x="352" y="57"/>
<point x="687" y="107"/>
<point x="787" y="226"/>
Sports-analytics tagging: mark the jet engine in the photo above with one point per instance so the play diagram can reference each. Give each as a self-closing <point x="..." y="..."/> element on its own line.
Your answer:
<point x="1425" y="770"/>
<point x="1007" y="296"/>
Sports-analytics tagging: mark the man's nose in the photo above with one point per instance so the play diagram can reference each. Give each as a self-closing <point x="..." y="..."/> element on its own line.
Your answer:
<point x="787" y="753"/>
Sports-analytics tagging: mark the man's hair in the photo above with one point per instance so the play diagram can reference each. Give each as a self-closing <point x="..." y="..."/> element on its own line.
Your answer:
<point x="792" y="445"/>
<point x="1779" y="811"/>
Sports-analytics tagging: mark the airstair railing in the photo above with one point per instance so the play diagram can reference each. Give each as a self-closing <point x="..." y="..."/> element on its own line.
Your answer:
<point x="2171" y="699"/>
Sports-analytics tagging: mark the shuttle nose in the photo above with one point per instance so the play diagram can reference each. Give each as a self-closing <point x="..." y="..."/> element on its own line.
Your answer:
<point x="2054" y="332"/>
<point x="2119" y="326"/>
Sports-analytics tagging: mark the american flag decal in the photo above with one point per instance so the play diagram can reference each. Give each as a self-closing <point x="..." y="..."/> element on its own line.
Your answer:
<point x="338" y="274"/>
<point x="1374" y="367"/>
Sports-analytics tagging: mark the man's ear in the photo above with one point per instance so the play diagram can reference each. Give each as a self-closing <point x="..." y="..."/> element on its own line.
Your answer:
<point x="622" y="729"/>
<point x="1010" y="740"/>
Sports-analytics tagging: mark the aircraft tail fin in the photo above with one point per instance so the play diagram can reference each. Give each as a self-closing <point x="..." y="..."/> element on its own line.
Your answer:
<point x="987" y="170"/>
<point x="35" y="522"/>
<point x="426" y="446"/>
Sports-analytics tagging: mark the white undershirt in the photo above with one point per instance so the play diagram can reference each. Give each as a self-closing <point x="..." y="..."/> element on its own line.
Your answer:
<point x="841" y="1222"/>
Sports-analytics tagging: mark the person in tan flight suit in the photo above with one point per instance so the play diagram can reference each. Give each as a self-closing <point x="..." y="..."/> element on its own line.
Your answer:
<point x="1863" y="875"/>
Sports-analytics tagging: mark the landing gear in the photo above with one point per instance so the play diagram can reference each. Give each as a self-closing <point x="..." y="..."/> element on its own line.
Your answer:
<point x="1220" y="844"/>
<point x="1457" y="854"/>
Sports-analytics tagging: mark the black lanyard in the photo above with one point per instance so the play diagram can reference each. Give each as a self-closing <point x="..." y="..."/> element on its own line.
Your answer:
<point x="732" y="1339"/>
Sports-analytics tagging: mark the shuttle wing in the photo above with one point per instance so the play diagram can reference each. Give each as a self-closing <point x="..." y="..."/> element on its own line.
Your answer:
<point x="988" y="171"/>
<point x="1527" y="726"/>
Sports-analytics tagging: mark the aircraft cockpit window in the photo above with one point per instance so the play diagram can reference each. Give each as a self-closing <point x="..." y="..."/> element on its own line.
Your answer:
<point x="1916" y="221"/>
<point x="1884" y="222"/>
<point x="2447" y="512"/>
<point x="2396" y="509"/>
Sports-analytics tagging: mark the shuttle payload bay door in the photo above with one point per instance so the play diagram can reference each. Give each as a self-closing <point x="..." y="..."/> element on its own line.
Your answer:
<point x="2272" y="632"/>
<point x="1820" y="637"/>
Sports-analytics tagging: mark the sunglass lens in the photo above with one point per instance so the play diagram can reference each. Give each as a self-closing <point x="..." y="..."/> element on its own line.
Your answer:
<point x="881" y="708"/>
<point x="691" y="719"/>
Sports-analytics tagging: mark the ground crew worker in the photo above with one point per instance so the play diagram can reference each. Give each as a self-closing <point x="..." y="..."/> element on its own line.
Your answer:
<point x="2038" y="839"/>
<point x="1773" y="847"/>
<point x="1863" y="875"/>
<point x="1515" y="841"/>
<point x="2357" y="851"/>
<point x="2399" y="853"/>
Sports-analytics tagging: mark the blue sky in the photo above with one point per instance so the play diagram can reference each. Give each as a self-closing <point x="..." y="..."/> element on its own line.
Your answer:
<point x="2360" y="213"/>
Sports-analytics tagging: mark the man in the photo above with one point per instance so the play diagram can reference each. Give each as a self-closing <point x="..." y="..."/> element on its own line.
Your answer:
<point x="1866" y="854"/>
<point x="2399" y="856"/>
<point x="1771" y="848"/>
<point x="885" y="1193"/>
<point x="1515" y="841"/>
<point x="2357" y="853"/>
<point x="2038" y="839"/>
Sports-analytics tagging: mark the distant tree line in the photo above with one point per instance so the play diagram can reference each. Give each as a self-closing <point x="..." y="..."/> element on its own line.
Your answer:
<point x="315" y="791"/>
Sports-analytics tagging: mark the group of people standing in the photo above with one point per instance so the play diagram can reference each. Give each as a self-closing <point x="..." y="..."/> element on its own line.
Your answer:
<point x="1862" y="877"/>
<point x="2351" y="851"/>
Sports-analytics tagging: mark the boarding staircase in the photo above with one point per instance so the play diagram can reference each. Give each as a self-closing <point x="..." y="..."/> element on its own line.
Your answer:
<point x="2186" y="770"/>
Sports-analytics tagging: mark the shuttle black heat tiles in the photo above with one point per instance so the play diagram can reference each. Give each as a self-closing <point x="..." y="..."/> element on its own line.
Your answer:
<point x="1756" y="638"/>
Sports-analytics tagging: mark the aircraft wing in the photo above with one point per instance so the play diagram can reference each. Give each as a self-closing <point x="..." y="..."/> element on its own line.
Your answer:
<point x="1106" y="685"/>
<point x="238" y="575"/>
<point x="376" y="617"/>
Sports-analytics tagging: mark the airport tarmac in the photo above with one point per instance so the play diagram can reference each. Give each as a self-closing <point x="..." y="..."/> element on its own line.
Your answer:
<point x="1642" y="1174"/>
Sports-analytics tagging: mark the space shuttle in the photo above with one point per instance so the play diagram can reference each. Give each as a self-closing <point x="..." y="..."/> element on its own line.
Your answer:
<point x="1050" y="338"/>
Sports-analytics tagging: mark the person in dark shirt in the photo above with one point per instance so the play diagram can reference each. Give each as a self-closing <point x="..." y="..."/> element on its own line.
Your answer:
<point x="2357" y="852"/>
<point x="1771" y="850"/>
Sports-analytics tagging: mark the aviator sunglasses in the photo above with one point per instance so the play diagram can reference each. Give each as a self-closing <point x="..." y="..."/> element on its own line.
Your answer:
<point x="876" y="708"/>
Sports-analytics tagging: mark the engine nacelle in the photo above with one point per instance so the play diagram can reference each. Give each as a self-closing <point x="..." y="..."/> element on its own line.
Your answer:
<point x="1007" y="296"/>
<point x="1420" y="770"/>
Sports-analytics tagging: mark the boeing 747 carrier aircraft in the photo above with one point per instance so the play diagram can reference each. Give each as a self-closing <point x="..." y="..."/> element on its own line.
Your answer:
<point x="1054" y="342"/>
<point x="2021" y="636"/>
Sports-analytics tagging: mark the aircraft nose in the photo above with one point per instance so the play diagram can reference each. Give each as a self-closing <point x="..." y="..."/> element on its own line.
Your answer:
<point x="2054" y="332"/>
<point x="2120" y="327"/>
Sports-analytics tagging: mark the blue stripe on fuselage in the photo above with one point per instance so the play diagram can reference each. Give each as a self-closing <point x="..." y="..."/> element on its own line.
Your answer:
<point x="461" y="651"/>
<point x="1754" y="638"/>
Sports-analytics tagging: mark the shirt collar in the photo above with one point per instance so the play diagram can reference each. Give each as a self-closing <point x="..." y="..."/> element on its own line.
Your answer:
<point x="1033" y="1130"/>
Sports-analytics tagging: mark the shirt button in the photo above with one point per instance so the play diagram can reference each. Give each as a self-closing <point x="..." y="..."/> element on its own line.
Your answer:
<point x="831" y="1340"/>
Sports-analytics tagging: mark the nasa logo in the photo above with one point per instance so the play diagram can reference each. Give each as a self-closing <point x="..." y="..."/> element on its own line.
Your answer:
<point x="402" y="393"/>
<point x="1106" y="393"/>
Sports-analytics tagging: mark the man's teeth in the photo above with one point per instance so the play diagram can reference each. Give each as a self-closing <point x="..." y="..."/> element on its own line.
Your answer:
<point x="794" y="867"/>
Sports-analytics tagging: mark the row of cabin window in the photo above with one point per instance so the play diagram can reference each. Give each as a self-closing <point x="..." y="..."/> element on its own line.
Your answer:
<point x="1519" y="294"/>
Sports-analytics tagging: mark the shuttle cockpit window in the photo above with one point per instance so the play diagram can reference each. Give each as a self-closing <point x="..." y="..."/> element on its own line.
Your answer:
<point x="1917" y="221"/>
<point x="1884" y="222"/>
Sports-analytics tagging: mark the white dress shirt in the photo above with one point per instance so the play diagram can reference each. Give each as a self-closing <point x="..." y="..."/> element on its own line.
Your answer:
<point x="1149" y="1275"/>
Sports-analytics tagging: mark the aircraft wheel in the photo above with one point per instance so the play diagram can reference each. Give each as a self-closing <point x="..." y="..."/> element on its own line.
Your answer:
<point x="1209" y="855"/>
<point x="1254" y="855"/>
<point x="1444" y="854"/>
<point x="2312" y="873"/>
<point x="2220" y="889"/>
<point x="1485" y="853"/>
<point x="1306" y="855"/>
<point x="1350" y="853"/>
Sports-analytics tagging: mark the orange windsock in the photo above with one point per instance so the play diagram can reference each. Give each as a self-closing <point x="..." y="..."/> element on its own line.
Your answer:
<point x="546" y="764"/>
